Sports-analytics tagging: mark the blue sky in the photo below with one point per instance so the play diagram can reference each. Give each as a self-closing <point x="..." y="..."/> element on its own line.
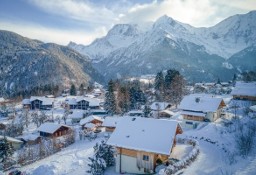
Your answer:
<point x="82" y="21"/>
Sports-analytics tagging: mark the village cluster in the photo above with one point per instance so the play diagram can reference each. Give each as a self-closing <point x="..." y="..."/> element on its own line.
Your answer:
<point x="152" y="144"/>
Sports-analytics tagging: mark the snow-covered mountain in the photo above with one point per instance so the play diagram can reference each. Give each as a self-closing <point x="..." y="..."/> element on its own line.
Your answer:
<point x="127" y="50"/>
<point x="26" y="64"/>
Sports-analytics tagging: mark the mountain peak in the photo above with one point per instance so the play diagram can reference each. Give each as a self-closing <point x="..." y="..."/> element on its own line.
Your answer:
<point x="123" y="29"/>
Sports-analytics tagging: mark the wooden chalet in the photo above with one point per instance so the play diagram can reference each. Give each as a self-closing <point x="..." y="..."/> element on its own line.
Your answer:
<point x="139" y="147"/>
<point x="96" y="120"/>
<point x="53" y="130"/>
<point x="200" y="108"/>
<point x="42" y="103"/>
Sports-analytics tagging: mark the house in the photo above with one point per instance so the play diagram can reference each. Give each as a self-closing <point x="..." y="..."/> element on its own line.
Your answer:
<point x="96" y="120"/>
<point x="30" y="139"/>
<point x="16" y="144"/>
<point x="76" y="116"/>
<point x="142" y="142"/>
<point x="197" y="108"/>
<point x="83" y="103"/>
<point x="53" y="130"/>
<point x="42" y="103"/>
<point x="110" y="123"/>
<point x="244" y="91"/>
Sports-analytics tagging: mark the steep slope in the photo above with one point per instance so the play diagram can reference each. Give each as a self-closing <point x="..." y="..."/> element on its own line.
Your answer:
<point x="245" y="59"/>
<point x="171" y="43"/>
<point x="121" y="35"/>
<point x="26" y="63"/>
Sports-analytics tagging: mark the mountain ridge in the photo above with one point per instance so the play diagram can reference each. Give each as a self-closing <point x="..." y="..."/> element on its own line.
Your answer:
<point x="26" y="64"/>
<point x="223" y="40"/>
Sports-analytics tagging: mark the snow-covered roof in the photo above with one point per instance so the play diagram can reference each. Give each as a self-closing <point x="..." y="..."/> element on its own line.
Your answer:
<point x="167" y="112"/>
<point x="11" y="139"/>
<point x="45" y="101"/>
<point x="144" y="134"/>
<point x="247" y="89"/>
<point x="89" y="119"/>
<point x="111" y="121"/>
<point x="71" y="101"/>
<point x="26" y="101"/>
<point x="29" y="137"/>
<point x="159" y="106"/>
<point x="89" y="125"/>
<point x="77" y="114"/>
<point x="50" y="127"/>
<point x="201" y="103"/>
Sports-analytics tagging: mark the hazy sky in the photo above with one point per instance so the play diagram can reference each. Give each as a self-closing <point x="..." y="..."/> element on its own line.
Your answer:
<point x="82" y="21"/>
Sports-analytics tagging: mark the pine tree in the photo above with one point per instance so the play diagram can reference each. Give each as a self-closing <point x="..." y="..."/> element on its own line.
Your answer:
<point x="72" y="90"/>
<point x="81" y="89"/>
<point x="103" y="157"/>
<point x="110" y="102"/>
<point x="159" y="86"/>
<point x="6" y="150"/>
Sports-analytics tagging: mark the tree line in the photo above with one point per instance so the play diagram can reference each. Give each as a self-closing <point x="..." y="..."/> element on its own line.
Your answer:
<point x="123" y="96"/>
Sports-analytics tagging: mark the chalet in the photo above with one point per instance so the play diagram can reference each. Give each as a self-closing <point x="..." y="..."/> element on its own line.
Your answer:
<point x="96" y="120"/>
<point x="83" y="103"/>
<point x="42" y="103"/>
<point x="200" y="108"/>
<point x="53" y="130"/>
<point x="17" y="144"/>
<point x="76" y="116"/>
<point x="30" y="139"/>
<point x="110" y="123"/>
<point x="244" y="91"/>
<point x="139" y="147"/>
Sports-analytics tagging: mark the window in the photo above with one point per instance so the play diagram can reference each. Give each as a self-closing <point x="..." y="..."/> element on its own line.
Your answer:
<point x="145" y="157"/>
<point x="189" y="123"/>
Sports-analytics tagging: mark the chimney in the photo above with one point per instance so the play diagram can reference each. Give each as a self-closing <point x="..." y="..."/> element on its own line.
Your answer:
<point x="197" y="99"/>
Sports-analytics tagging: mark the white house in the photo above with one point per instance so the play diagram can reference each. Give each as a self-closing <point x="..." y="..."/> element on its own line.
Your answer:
<point x="197" y="108"/>
<point x="142" y="142"/>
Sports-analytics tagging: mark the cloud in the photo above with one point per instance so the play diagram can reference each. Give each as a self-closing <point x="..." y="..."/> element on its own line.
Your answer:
<point x="77" y="10"/>
<point x="59" y="36"/>
<point x="90" y="19"/>
<point x="199" y="13"/>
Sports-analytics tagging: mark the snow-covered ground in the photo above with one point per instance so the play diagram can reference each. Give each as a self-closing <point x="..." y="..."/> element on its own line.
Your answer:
<point x="71" y="160"/>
